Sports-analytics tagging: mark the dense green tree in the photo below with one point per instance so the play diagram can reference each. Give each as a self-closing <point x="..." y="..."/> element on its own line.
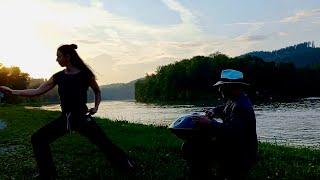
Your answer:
<point x="191" y="80"/>
<point x="15" y="79"/>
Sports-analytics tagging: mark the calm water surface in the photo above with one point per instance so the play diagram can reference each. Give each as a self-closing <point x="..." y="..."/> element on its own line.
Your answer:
<point x="2" y="125"/>
<point x="296" y="123"/>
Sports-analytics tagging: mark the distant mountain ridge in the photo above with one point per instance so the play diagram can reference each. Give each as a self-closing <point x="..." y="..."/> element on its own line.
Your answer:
<point x="301" y="55"/>
<point x="118" y="91"/>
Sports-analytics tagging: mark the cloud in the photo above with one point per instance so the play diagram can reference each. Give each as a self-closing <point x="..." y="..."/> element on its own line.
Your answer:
<point x="259" y="31"/>
<point x="110" y="43"/>
<point x="103" y="66"/>
<point x="84" y="41"/>
<point x="246" y="23"/>
<point x="96" y="3"/>
<point x="282" y="33"/>
<point x="251" y="38"/>
<point x="186" y="15"/>
<point x="108" y="69"/>
<point x="299" y="16"/>
<point x="148" y="67"/>
<point x="41" y="26"/>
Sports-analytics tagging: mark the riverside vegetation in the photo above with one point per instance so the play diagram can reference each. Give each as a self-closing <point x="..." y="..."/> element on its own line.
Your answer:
<point x="155" y="149"/>
<point x="286" y="74"/>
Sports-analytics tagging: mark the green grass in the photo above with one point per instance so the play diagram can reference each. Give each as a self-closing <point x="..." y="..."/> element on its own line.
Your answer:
<point x="155" y="149"/>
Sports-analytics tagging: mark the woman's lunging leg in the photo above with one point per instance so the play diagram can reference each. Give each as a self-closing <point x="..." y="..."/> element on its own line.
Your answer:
<point x="95" y="134"/>
<point x="40" y="142"/>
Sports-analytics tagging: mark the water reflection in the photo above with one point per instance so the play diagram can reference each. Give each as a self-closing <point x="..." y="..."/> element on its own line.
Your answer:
<point x="2" y="125"/>
<point x="295" y="123"/>
<point x="8" y="149"/>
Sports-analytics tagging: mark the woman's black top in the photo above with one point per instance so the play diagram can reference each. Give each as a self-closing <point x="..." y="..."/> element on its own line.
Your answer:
<point x="72" y="90"/>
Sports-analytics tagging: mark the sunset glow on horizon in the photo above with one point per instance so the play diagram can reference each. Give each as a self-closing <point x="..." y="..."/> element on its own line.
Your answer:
<point x="124" y="40"/>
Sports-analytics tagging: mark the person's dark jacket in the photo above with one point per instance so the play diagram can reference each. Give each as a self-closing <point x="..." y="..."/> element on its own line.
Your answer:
<point x="237" y="134"/>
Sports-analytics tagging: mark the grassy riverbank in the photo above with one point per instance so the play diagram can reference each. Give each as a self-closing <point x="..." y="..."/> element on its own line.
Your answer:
<point x="155" y="149"/>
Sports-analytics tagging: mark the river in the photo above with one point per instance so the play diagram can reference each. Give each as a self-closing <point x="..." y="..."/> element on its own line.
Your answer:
<point x="295" y="123"/>
<point x="2" y="124"/>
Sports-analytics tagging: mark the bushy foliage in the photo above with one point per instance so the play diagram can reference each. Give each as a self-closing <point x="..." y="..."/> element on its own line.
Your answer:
<point x="15" y="79"/>
<point x="192" y="79"/>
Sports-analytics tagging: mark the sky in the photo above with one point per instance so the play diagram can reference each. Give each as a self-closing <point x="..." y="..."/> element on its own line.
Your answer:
<point x="123" y="40"/>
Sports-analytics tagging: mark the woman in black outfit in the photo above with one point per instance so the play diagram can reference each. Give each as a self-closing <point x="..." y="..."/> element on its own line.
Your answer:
<point x="73" y="83"/>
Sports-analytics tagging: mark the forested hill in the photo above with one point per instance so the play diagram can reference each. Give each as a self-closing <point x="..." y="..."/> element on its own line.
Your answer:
<point x="301" y="55"/>
<point x="118" y="91"/>
<point x="191" y="80"/>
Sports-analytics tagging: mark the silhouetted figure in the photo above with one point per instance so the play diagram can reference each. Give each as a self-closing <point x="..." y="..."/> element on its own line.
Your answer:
<point x="233" y="144"/>
<point x="1" y="97"/>
<point x="73" y="83"/>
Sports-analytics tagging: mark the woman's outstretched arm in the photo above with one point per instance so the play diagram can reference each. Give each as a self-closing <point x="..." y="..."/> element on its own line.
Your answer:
<point x="97" y="95"/>
<point x="43" y="88"/>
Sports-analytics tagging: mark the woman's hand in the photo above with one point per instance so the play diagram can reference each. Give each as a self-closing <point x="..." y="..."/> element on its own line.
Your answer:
<point x="92" y="111"/>
<point x="6" y="90"/>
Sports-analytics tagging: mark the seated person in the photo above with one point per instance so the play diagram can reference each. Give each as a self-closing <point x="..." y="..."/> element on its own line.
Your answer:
<point x="234" y="148"/>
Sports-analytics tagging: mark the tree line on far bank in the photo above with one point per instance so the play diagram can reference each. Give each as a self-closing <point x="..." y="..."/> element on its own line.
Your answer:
<point x="14" y="78"/>
<point x="191" y="80"/>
